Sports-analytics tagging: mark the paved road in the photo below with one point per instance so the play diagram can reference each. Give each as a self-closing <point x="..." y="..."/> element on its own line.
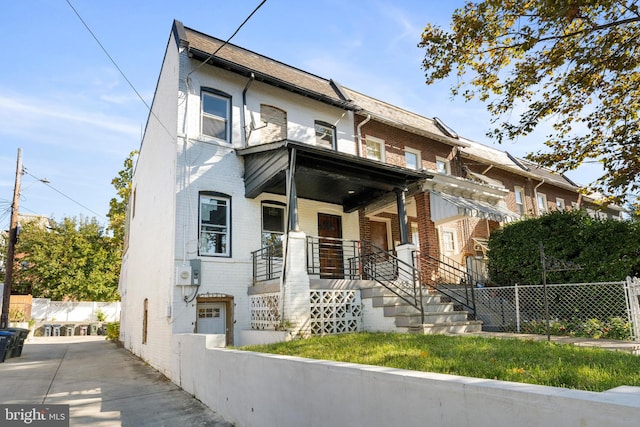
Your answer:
<point x="105" y="386"/>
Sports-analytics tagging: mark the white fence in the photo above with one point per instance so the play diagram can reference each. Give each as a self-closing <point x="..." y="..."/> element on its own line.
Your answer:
<point x="45" y="310"/>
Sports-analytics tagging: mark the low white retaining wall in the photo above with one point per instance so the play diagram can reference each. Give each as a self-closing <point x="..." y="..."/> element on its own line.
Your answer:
<point x="43" y="309"/>
<point x="254" y="389"/>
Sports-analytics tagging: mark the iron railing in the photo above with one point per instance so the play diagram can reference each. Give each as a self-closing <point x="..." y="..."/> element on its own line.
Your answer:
<point x="452" y="282"/>
<point x="267" y="263"/>
<point x="361" y="260"/>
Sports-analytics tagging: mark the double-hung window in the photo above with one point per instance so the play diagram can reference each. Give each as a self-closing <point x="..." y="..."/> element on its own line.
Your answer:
<point x="375" y="148"/>
<point x="216" y="115"/>
<point x="519" y="195"/>
<point x="412" y="158"/>
<point x="325" y="135"/>
<point x="215" y="224"/>
<point x="443" y="166"/>
<point x="542" y="204"/>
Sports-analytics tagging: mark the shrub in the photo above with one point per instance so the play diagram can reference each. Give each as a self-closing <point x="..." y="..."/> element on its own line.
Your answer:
<point x="113" y="331"/>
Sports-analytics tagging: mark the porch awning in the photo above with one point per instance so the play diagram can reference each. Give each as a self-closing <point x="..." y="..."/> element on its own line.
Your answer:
<point x="446" y="207"/>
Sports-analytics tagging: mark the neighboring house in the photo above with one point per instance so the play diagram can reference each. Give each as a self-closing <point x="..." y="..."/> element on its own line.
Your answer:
<point x="268" y="199"/>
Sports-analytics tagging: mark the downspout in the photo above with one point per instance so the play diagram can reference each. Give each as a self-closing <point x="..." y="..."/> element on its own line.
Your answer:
<point x="535" y="196"/>
<point x="359" y="133"/>
<point x="244" y="110"/>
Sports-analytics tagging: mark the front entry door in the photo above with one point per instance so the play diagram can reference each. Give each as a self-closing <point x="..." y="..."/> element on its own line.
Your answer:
<point x="211" y="318"/>
<point x="379" y="234"/>
<point x="331" y="256"/>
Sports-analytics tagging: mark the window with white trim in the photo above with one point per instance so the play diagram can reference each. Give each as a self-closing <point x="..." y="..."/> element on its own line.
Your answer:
<point x="518" y="192"/>
<point x="216" y="114"/>
<point x="443" y="166"/>
<point x="448" y="240"/>
<point x="560" y="204"/>
<point x="412" y="158"/>
<point x="325" y="135"/>
<point x="273" y="226"/>
<point x="542" y="203"/>
<point x="215" y="225"/>
<point x="375" y="148"/>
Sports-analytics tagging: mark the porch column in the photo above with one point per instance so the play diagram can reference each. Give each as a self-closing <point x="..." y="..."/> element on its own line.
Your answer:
<point x="295" y="304"/>
<point x="402" y="216"/>
<point x="292" y="195"/>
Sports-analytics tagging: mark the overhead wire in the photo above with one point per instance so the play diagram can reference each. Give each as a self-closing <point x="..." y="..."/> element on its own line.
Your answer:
<point x="24" y="170"/>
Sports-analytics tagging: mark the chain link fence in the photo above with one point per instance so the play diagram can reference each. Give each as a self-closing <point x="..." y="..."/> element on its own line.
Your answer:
<point x="593" y="310"/>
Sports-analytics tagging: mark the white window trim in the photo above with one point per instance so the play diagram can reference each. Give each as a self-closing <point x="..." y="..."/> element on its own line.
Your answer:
<point x="217" y="94"/>
<point x="332" y="128"/>
<point x="542" y="209"/>
<point x="284" y="219"/>
<point x="227" y="233"/>
<point x="560" y="205"/>
<point x="447" y="164"/>
<point x="369" y="138"/>
<point x="519" y="190"/>
<point x="418" y="155"/>
<point x="454" y="242"/>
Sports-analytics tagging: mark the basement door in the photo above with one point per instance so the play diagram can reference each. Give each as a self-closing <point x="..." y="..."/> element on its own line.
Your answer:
<point x="331" y="258"/>
<point x="211" y="318"/>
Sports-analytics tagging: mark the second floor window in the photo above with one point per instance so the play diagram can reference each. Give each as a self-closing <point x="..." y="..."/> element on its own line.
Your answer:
<point x="519" y="194"/>
<point x="560" y="204"/>
<point x="325" y="135"/>
<point x="542" y="203"/>
<point x="215" y="233"/>
<point x="375" y="148"/>
<point x="442" y="166"/>
<point x="412" y="158"/>
<point x="216" y="115"/>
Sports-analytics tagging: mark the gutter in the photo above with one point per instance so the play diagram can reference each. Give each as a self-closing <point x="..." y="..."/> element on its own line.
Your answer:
<point x="244" y="111"/>
<point x="535" y="196"/>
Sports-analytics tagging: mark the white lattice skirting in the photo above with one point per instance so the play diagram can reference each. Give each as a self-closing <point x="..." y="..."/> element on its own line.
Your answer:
<point x="265" y="311"/>
<point x="335" y="311"/>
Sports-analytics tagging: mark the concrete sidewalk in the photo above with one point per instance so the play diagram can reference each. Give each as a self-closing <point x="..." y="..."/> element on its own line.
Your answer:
<point x="105" y="386"/>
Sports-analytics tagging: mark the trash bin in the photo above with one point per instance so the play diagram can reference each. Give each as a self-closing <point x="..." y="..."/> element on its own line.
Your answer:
<point x="69" y="329"/>
<point x="47" y="330"/>
<point x="21" y="337"/>
<point x="10" y="342"/>
<point x="4" y="344"/>
<point x="56" y="330"/>
<point x="93" y="329"/>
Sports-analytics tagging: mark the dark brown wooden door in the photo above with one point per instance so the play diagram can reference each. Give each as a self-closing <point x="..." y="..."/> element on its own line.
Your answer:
<point x="331" y="255"/>
<point x="379" y="234"/>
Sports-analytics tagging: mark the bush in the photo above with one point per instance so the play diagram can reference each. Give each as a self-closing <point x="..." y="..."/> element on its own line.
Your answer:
<point x="113" y="331"/>
<point x="614" y="328"/>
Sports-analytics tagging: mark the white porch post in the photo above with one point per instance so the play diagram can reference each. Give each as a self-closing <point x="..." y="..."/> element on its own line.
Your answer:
<point x="295" y="294"/>
<point x="405" y="254"/>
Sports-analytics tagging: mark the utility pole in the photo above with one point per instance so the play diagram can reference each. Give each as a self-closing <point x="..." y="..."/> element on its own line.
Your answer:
<point x="13" y="237"/>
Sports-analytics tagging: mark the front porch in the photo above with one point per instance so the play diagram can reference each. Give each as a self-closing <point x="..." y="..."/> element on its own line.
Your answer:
<point x="348" y="286"/>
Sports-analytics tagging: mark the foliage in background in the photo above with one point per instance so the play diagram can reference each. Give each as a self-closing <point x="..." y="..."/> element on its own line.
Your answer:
<point x="605" y="249"/>
<point x="614" y="328"/>
<point x="573" y="65"/>
<point x="118" y="205"/>
<point x="69" y="260"/>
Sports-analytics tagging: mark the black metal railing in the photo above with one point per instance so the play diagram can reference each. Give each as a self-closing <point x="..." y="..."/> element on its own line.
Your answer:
<point x="361" y="260"/>
<point x="267" y="263"/>
<point x="448" y="280"/>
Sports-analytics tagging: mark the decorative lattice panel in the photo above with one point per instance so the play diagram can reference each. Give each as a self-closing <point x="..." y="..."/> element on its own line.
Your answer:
<point x="335" y="311"/>
<point x="265" y="312"/>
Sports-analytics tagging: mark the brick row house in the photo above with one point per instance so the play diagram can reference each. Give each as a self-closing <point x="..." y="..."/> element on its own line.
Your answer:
<point x="268" y="203"/>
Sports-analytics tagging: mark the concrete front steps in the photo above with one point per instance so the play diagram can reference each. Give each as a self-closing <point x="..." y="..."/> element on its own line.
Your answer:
<point x="439" y="317"/>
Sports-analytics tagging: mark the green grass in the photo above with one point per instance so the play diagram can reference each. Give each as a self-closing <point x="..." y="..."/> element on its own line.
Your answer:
<point x="525" y="361"/>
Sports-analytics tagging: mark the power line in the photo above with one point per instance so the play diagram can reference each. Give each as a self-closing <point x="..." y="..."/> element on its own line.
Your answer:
<point x="118" y="68"/>
<point x="24" y="170"/>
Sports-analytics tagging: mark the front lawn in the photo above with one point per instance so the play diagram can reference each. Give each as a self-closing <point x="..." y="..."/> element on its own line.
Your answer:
<point x="525" y="361"/>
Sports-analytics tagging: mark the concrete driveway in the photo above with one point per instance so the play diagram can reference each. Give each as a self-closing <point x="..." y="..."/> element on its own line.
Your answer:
<point x="104" y="385"/>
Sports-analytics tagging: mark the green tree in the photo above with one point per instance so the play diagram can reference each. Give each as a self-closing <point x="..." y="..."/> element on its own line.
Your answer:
<point x="71" y="259"/>
<point x="574" y="63"/>
<point x="118" y="205"/>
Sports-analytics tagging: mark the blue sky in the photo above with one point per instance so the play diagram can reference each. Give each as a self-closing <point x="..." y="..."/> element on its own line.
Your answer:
<point x="76" y="118"/>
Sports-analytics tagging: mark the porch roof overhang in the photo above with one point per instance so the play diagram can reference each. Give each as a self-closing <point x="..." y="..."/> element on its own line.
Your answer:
<point x="322" y="174"/>
<point x="447" y="207"/>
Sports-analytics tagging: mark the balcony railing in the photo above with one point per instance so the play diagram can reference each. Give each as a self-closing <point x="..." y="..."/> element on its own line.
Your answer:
<point x="267" y="263"/>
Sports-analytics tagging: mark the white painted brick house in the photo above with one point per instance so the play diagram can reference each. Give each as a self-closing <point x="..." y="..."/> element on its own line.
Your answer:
<point x="221" y="241"/>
